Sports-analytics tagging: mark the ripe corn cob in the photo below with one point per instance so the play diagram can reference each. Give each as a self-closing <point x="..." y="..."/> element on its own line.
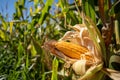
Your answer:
<point x="71" y="50"/>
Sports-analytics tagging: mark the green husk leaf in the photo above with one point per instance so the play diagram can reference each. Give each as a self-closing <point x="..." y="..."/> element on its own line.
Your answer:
<point x="95" y="36"/>
<point x="91" y="72"/>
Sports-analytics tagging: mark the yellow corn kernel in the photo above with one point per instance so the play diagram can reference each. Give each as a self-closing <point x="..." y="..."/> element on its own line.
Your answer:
<point x="71" y="50"/>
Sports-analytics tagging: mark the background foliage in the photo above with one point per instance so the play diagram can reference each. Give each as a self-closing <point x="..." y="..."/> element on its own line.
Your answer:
<point x="21" y="55"/>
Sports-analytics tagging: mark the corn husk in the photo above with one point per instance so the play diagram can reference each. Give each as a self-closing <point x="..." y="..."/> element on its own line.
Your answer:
<point x="88" y="36"/>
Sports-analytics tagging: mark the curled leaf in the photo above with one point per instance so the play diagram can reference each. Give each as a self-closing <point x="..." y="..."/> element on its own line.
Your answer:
<point x="115" y="75"/>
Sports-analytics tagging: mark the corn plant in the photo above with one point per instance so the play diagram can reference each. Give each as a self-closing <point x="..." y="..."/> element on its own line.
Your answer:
<point x="31" y="43"/>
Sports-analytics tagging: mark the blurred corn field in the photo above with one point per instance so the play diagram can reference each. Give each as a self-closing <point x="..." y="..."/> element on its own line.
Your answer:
<point x="21" y="39"/>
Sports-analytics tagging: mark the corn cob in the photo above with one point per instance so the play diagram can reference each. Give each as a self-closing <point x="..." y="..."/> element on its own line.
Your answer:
<point x="71" y="50"/>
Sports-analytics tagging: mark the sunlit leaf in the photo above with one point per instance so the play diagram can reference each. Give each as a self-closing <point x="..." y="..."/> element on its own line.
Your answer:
<point x="45" y="10"/>
<point x="4" y="23"/>
<point x="89" y="9"/>
<point x="23" y="2"/>
<point x="2" y="35"/>
<point x="54" y="69"/>
<point x="11" y="27"/>
<point x="36" y="3"/>
<point x="31" y="11"/>
<point x="33" y="51"/>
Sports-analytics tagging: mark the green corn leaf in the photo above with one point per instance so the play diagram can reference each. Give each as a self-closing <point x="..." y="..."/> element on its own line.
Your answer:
<point x="20" y="50"/>
<point x="54" y="69"/>
<point x="2" y="35"/>
<point x="24" y="75"/>
<point x="27" y="61"/>
<point x="45" y="11"/>
<point x="11" y="27"/>
<point x="43" y="77"/>
<point x="4" y="23"/>
<point x="37" y="46"/>
<point x="19" y="55"/>
<point x="90" y="9"/>
<point x="36" y="3"/>
<point x="33" y="50"/>
<point x="62" y="4"/>
<point x="117" y="32"/>
<point x="23" y="2"/>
